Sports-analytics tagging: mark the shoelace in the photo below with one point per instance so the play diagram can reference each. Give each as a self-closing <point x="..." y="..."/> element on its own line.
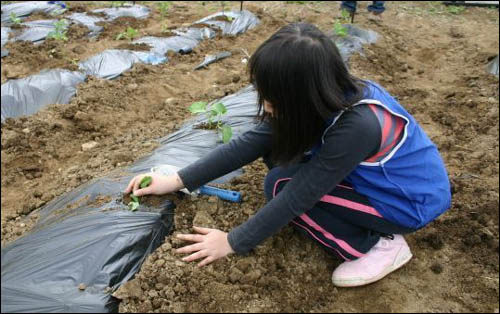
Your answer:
<point x="388" y="236"/>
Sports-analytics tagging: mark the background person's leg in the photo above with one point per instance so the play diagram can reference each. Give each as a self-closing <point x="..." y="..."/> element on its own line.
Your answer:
<point x="377" y="7"/>
<point x="349" y="6"/>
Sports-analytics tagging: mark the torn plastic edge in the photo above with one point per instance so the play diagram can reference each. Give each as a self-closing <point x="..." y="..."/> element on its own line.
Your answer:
<point x="209" y="59"/>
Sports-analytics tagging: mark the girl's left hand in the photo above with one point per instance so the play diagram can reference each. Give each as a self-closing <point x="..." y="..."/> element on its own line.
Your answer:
<point x="212" y="244"/>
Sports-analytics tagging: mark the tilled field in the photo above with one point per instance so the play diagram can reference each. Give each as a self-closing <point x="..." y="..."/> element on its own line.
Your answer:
<point x="432" y="60"/>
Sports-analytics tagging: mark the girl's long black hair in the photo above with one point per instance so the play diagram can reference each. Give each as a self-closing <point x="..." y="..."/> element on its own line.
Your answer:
<point x="300" y="72"/>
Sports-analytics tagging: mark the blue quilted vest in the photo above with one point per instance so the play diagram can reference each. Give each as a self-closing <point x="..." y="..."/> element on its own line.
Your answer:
<point x="409" y="186"/>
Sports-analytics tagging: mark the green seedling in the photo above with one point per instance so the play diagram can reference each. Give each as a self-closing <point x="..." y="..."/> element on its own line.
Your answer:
<point x="216" y="111"/>
<point x="345" y="16"/>
<point x="134" y="204"/>
<point x="454" y="9"/>
<point x="15" y="19"/>
<point x="163" y="8"/>
<point x="59" y="33"/>
<point x="338" y="27"/>
<point x="129" y="34"/>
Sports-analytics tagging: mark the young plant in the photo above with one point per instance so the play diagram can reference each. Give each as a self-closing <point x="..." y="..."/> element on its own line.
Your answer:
<point x="129" y="34"/>
<point x="345" y="16"/>
<point x="338" y="27"/>
<point x="59" y="33"/>
<point x="216" y="111"/>
<point x="134" y="204"/>
<point x="163" y="8"/>
<point x="15" y="19"/>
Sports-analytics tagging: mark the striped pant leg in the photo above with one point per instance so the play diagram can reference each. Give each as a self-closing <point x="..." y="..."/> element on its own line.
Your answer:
<point x="343" y="222"/>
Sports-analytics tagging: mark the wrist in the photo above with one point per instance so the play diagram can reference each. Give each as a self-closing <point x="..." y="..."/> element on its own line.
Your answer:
<point x="178" y="182"/>
<point x="229" y="247"/>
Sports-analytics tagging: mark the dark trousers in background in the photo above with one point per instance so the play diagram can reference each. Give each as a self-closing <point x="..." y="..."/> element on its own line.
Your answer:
<point x="375" y="7"/>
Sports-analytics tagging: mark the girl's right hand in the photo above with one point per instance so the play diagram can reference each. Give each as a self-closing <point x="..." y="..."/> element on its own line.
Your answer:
<point x="159" y="185"/>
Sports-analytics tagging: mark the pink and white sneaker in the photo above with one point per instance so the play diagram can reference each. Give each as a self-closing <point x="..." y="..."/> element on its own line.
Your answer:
<point x="382" y="259"/>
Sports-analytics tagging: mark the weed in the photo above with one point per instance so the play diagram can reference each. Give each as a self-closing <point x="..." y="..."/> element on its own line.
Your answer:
<point x="129" y="34"/>
<point x="216" y="111"/>
<point x="59" y="33"/>
<point x="15" y="19"/>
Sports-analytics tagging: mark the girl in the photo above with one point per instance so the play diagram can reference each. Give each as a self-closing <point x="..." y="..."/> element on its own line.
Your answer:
<point x="369" y="174"/>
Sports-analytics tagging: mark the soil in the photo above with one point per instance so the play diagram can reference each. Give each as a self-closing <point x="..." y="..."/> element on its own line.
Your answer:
<point x="153" y="201"/>
<point x="206" y="126"/>
<point x="223" y="18"/>
<point x="432" y="61"/>
<point x="136" y="47"/>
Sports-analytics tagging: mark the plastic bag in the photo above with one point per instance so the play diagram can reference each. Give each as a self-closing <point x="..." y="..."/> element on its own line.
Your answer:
<point x="71" y="257"/>
<point x="28" y="95"/>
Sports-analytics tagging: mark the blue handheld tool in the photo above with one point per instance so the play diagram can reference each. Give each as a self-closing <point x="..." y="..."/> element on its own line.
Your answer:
<point x="227" y="195"/>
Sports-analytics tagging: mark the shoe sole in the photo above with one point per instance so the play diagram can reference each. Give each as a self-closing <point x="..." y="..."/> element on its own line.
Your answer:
<point x="358" y="283"/>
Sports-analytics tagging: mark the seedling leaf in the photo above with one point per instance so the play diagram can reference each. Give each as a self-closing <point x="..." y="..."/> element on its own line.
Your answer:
<point x="133" y="206"/>
<point x="14" y="19"/>
<point x="198" y="107"/>
<point x="219" y="108"/>
<point x="227" y="133"/>
<point x="339" y="29"/>
<point x="134" y="198"/>
<point x="145" y="182"/>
